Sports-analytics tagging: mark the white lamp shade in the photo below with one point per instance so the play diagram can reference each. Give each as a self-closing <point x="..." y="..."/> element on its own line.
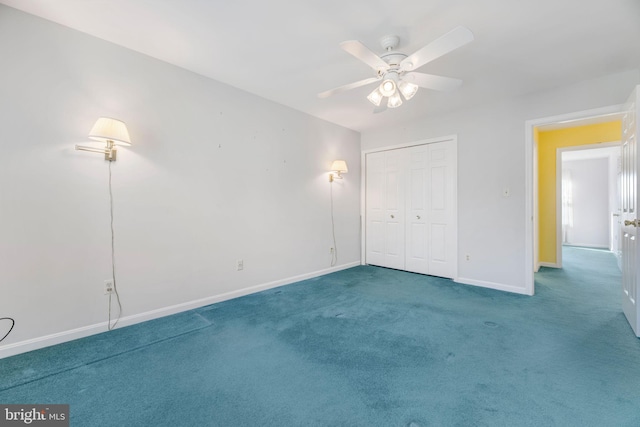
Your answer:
<point x="339" y="166"/>
<point x="394" y="100"/>
<point x="375" y="97"/>
<point x="407" y="89"/>
<point x="387" y="87"/>
<point x="107" y="129"/>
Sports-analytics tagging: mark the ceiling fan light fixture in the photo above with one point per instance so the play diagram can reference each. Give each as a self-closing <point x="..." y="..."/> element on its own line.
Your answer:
<point x="375" y="97"/>
<point x="387" y="87"/>
<point x="407" y="89"/>
<point x="393" y="67"/>
<point x="394" y="100"/>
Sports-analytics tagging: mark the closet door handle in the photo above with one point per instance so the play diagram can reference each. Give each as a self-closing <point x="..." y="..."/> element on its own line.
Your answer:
<point x="392" y="216"/>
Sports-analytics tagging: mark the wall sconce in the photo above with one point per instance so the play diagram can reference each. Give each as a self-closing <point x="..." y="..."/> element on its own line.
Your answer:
<point x="111" y="132"/>
<point x="339" y="167"/>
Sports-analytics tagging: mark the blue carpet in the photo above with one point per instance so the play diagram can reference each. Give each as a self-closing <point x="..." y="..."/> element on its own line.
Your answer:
<point x="362" y="347"/>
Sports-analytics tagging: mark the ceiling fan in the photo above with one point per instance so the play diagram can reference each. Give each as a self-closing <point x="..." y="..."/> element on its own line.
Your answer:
<point x="396" y="72"/>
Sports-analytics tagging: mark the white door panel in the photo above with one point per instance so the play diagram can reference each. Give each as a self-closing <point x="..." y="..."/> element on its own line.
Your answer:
<point x="630" y="223"/>
<point x="442" y="212"/>
<point x="394" y="219"/>
<point x="438" y="243"/>
<point x="417" y="245"/>
<point x="376" y="243"/>
<point x="394" y="242"/>
<point x="384" y="238"/>
<point x="375" y="210"/>
<point x="410" y="209"/>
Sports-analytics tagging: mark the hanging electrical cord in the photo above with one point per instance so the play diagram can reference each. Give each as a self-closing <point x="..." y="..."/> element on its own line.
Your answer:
<point x="334" y="253"/>
<point x="13" y="323"/>
<point x="113" y="261"/>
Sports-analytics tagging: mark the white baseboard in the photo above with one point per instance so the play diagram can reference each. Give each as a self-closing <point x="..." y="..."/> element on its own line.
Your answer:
<point x="549" y="264"/>
<point x="85" y="331"/>
<point x="587" y="245"/>
<point x="492" y="285"/>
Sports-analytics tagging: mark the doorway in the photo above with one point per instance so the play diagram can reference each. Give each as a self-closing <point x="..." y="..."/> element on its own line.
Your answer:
<point x="588" y="209"/>
<point x="532" y="201"/>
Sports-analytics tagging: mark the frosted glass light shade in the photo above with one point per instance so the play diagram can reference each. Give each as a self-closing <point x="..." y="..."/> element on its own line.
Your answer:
<point x="388" y="87"/>
<point x="339" y="166"/>
<point x="108" y="129"/>
<point x="375" y="97"/>
<point x="394" y="100"/>
<point x="407" y="89"/>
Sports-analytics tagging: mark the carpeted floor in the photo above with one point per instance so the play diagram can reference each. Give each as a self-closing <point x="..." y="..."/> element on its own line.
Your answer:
<point x="362" y="347"/>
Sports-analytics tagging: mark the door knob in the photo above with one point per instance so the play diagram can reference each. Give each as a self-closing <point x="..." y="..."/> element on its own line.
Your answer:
<point x="392" y="216"/>
<point x="417" y="216"/>
<point x="635" y="222"/>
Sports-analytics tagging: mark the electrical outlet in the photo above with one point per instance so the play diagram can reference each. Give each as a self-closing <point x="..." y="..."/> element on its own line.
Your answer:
<point x="331" y="251"/>
<point x="240" y="265"/>
<point x="468" y="257"/>
<point x="108" y="287"/>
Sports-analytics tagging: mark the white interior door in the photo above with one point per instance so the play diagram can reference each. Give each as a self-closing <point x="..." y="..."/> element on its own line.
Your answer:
<point x="417" y="237"/>
<point x="395" y="210"/>
<point x="385" y="209"/>
<point x="410" y="208"/>
<point x="630" y="220"/>
<point x="375" y="209"/>
<point x="442" y="209"/>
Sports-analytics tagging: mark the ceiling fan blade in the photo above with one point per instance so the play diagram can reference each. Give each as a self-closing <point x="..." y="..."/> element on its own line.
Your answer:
<point x="454" y="39"/>
<point x="364" y="54"/>
<point x="430" y="81"/>
<point x="347" y="87"/>
<point x="380" y="108"/>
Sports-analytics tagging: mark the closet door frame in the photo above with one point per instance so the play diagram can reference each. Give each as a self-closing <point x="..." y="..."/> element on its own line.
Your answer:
<point x="453" y="139"/>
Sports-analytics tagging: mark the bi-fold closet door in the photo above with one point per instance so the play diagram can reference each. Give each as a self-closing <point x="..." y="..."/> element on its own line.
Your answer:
<point x="410" y="209"/>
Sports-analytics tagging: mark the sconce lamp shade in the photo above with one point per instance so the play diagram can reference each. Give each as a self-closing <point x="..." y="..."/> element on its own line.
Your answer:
<point x="339" y="166"/>
<point x="107" y="129"/>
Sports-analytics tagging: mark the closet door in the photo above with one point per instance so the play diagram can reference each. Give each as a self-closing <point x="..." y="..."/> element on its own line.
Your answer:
<point x="375" y="209"/>
<point x="411" y="209"/>
<point x="416" y="231"/>
<point x="442" y="190"/>
<point x="395" y="211"/>
<point x="385" y="210"/>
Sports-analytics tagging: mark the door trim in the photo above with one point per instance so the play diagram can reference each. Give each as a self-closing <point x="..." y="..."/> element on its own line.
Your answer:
<point x="363" y="175"/>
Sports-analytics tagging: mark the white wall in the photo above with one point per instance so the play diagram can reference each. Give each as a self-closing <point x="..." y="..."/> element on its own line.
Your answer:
<point x="214" y="175"/>
<point x="491" y="157"/>
<point x="615" y="207"/>
<point x="589" y="202"/>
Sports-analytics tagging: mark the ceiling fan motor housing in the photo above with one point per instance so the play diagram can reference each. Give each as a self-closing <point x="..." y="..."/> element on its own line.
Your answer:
<point x="389" y="42"/>
<point x="391" y="57"/>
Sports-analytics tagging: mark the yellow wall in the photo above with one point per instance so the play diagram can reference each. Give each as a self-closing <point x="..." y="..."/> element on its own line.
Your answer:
<point x="548" y="142"/>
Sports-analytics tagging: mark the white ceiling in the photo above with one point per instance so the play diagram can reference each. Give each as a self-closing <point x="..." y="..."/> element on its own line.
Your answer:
<point x="288" y="50"/>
